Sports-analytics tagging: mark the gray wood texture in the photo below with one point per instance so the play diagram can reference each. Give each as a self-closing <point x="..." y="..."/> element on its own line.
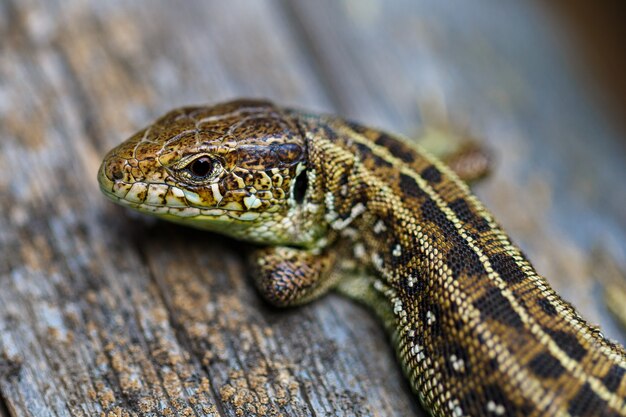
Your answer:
<point x="103" y="312"/>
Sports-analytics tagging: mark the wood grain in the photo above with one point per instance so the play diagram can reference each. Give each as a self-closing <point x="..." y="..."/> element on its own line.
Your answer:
<point x="106" y="313"/>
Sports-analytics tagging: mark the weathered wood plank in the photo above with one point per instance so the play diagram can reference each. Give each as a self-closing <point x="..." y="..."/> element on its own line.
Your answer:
<point x="104" y="313"/>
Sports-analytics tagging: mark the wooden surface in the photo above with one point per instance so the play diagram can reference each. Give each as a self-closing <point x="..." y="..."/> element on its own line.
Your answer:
<point x="103" y="312"/>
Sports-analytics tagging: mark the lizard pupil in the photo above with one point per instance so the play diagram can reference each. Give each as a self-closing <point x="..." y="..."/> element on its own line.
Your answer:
<point x="299" y="188"/>
<point x="201" y="167"/>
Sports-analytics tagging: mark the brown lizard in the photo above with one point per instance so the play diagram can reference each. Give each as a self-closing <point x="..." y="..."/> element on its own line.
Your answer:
<point x="341" y="205"/>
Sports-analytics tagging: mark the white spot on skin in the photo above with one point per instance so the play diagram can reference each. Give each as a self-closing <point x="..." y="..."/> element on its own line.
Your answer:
<point x="217" y="196"/>
<point x="457" y="364"/>
<point x="418" y="352"/>
<point x="193" y="198"/>
<point x="359" y="251"/>
<point x="312" y="208"/>
<point x="322" y="243"/>
<point x="379" y="227"/>
<point x="411" y="281"/>
<point x="397" y="250"/>
<point x="497" y="409"/>
<point x="454" y="406"/>
<point x="329" y="199"/>
<point x="177" y="192"/>
<point x="356" y="211"/>
<point x="397" y="306"/>
<point x="175" y="197"/>
<point x="300" y="167"/>
<point x="430" y="317"/>
<point x="377" y="260"/>
<point x="330" y="216"/>
<point x="251" y="202"/>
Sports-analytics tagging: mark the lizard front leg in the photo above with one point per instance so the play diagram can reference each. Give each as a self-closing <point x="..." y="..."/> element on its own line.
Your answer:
<point x="288" y="276"/>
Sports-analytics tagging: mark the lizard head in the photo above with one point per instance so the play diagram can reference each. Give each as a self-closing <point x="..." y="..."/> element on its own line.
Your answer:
<point x="238" y="168"/>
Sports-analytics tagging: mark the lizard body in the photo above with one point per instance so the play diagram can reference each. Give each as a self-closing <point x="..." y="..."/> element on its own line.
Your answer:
<point x="477" y="330"/>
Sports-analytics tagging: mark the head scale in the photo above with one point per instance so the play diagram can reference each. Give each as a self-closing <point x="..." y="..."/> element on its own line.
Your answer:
<point x="238" y="168"/>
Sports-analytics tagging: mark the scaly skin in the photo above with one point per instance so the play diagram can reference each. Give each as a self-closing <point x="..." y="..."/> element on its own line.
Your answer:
<point x="477" y="330"/>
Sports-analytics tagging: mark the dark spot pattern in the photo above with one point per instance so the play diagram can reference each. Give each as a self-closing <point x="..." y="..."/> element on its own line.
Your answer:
<point x="545" y="365"/>
<point x="495" y="394"/>
<point x="410" y="188"/>
<point x="568" y="343"/>
<point x="365" y="153"/>
<point x="587" y="403"/>
<point x="287" y="153"/>
<point x="494" y="305"/>
<point x="546" y="306"/>
<point x="362" y="150"/>
<point x="431" y="174"/>
<point x="397" y="148"/>
<point x="461" y="208"/>
<point x="492" y="365"/>
<point x="381" y="162"/>
<point x="462" y="259"/>
<point x="431" y="212"/>
<point x="507" y="268"/>
<point x="614" y="377"/>
<point x="329" y="132"/>
<point x="357" y="127"/>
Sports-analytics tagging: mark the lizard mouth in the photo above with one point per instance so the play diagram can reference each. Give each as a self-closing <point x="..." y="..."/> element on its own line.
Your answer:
<point x="165" y="200"/>
<point x="154" y="198"/>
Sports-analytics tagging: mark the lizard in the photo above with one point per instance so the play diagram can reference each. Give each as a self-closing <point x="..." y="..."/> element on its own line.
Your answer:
<point x="335" y="204"/>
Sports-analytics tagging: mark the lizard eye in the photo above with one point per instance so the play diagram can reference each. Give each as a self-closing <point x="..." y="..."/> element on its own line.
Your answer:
<point x="201" y="167"/>
<point x="197" y="170"/>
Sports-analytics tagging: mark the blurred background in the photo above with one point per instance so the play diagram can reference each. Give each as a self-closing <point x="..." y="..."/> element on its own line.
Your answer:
<point x="596" y="33"/>
<point x="105" y="312"/>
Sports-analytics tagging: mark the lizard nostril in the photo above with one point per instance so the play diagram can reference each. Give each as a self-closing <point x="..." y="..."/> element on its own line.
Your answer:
<point x="115" y="171"/>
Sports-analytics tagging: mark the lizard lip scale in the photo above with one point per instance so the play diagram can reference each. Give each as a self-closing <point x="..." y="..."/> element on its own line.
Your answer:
<point x="477" y="330"/>
<point x="107" y="183"/>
